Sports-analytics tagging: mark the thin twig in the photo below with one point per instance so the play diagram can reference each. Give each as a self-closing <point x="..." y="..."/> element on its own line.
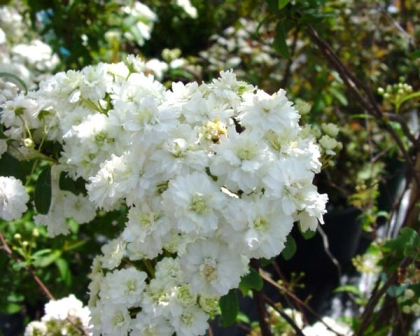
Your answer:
<point x="374" y="299"/>
<point x="294" y="297"/>
<point x="44" y="289"/>
<point x="285" y="316"/>
<point x="327" y="250"/>
<point x="366" y="100"/>
<point x="260" y="304"/>
<point x="41" y="285"/>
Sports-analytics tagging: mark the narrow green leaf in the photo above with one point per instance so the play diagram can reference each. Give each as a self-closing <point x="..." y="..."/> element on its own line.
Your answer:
<point x="40" y="253"/>
<point x="283" y="3"/>
<point x="229" y="306"/>
<point x="348" y="289"/>
<point x="290" y="248"/>
<point x="280" y="44"/>
<point x="251" y="281"/>
<point x="43" y="192"/>
<point x="75" y="245"/>
<point x="48" y="260"/>
<point x="64" y="269"/>
<point x="337" y="94"/>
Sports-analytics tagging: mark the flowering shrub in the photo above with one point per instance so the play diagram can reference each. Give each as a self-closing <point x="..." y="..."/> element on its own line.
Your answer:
<point x="23" y="54"/>
<point x="62" y="317"/>
<point x="212" y="175"/>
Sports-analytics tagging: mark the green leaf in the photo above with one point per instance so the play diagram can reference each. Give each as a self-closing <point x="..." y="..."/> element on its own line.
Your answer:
<point x="9" y="166"/>
<point x="308" y="234"/>
<point x="348" y="289"/>
<point x="283" y="3"/>
<point x="19" y="265"/>
<point x="40" y="253"/>
<point x="415" y="54"/>
<point x="290" y="248"/>
<point x="76" y="187"/>
<point x="251" y="281"/>
<point x="229" y="306"/>
<point x="339" y="96"/>
<point x="280" y="44"/>
<point x="11" y="308"/>
<point x="64" y="269"/>
<point x="43" y="192"/>
<point x="407" y="243"/>
<point x="48" y="260"/>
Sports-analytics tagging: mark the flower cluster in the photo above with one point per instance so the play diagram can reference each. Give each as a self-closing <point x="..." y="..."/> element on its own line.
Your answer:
<point x="212" y="176"/>
<point x="26" y="57"/>
<point x="62" y="317"/>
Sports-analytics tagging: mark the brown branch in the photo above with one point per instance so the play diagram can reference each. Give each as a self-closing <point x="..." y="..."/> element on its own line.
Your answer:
<point x="260" y="304"/>
<point x="365" y="99"/>
<point x="294" y="297"/>
<point x="44" y="289"/>
<point x="285" y="316"/>
<point x="374" y="299"/>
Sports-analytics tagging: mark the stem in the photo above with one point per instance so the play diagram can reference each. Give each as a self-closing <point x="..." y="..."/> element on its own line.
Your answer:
<point x="374" y="299"/>
<point x="260" y="304"/>
<point x="356" y="86"/>
<point x="41" y="285"/>
<point x="285" y="316"/>
<point x="294" y="297"/>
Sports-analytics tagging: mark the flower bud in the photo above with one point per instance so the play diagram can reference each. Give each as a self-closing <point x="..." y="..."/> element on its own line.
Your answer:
<point x="35" y="232"/>
<point x="17" y="236"/>
<point x="28" y="143"/>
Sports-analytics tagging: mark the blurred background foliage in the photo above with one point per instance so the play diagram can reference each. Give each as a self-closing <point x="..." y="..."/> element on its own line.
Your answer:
<point x="264" y="45"/>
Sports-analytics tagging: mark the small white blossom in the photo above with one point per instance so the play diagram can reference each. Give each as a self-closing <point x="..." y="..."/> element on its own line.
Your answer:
<point x="13" y="198"/>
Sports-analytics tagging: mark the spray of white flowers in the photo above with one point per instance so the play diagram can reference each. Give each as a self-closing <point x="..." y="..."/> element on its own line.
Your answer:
<point x="213" y="175"/>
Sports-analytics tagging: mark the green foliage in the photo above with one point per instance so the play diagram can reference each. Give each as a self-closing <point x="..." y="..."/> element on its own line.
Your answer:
<point x="229" y="306"/>
<point x="251" y="281"/>
<point x="290" y="248"/>
<point x="43" y="191"/>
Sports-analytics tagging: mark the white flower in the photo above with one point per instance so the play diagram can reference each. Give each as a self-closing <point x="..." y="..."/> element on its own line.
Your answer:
<point x="212" y="268"/>
<point x="36" y="328"/>
<point x="126" y="286"/>
<point x="13" y="198"/>
<point x="67" y="307"/>
<point x="191" y="322"/>
<point x="169" y="269"/>
<point x="194" y="201"/>
<point x="240" y="161"/>
<point x="115" y="320"/>
<point x="79" y="208"/>
<point x="257" y="226"/>
<point x="112" y="253"/>
<point x="187" y="7"/>
<point x="149" y="325"/>
<point x="262" y="112"/>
